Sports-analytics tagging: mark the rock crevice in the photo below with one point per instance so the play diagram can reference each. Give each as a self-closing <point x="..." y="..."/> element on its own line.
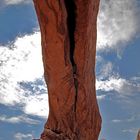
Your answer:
<point x="71" y="25"/>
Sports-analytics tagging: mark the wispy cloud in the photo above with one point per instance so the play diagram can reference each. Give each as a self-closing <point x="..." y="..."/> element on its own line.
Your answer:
<point x="104" y="69"/>
<point x="116" y="121"/>
<point x="118" y="84"/>
<point x="21" y="136"/>
<point x="13" y="2"/>
<point x="133" y="118"/>
<point x="131" y="130"/>
<point x="18" y="119"/>
<point x="109" y="80"/>
<point x="118" y="23"/>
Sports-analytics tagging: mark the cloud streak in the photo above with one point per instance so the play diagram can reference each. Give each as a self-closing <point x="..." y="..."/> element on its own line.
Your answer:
<point x="14" y="2"/>
<point x="21" y="136"/>
<point x="18" y="119"/>
<point x="122" y="86"/>
<point x="133" y="118"/>
<point x="131" y="130"/>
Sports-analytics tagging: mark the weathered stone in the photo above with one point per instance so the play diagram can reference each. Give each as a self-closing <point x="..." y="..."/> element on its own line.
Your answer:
<point x="68" y="32"/>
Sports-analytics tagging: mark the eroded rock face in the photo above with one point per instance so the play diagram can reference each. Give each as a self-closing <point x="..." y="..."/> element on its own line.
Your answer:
<point x="68" y="32"/>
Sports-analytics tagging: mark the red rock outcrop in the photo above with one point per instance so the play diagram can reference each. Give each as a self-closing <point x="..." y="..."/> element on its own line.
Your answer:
<point x="68" y="32"/>
<point x="138" y="135"/>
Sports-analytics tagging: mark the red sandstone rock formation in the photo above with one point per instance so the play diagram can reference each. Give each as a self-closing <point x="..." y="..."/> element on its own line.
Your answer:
<point x="138" y="135"/>
<point x="68" y="32"/>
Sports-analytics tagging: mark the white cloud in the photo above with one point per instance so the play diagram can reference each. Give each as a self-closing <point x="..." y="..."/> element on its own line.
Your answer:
<point x="37" y="105"/>
<point x="21" y="136"/>
<point x="120" y="85"/>
<point x="118" y="23"/>
<point x="18" y="119"/>
<point x="13" y="2"/>
<point x="21" y="63"/>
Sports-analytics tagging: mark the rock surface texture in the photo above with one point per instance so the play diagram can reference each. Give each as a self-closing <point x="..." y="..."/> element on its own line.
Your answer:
<point x="68" y="32"/>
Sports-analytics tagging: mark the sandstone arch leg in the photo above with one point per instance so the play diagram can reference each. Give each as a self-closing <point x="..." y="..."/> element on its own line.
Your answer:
<point x="87" y="112"/>
<point x="68" y="33"/>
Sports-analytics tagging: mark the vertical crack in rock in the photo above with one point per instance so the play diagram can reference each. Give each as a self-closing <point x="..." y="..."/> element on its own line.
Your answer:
<point x="71" y="25"/>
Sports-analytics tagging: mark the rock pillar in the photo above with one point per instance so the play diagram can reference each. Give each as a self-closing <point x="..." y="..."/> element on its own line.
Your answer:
<point x="68" y="33"/>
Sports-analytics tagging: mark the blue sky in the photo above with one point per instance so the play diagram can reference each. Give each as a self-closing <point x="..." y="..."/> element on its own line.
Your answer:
<point x="23" y="94"/>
